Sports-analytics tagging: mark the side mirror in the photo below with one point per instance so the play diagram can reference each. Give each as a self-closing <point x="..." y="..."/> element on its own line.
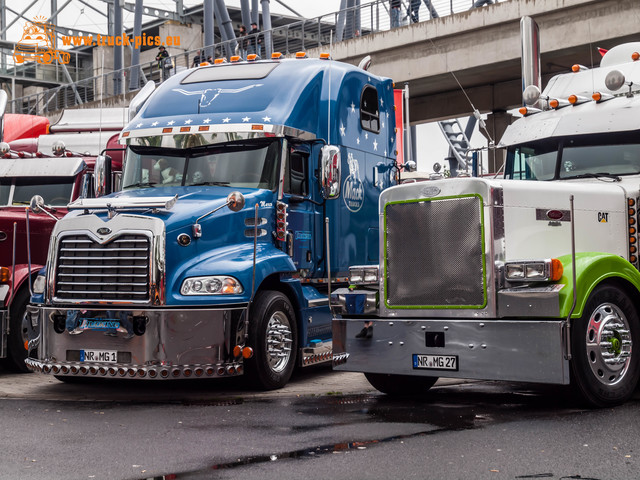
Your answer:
<point x="36" y="204"/>
<point x="102" y="174"/>
<point x="330" y="172"/>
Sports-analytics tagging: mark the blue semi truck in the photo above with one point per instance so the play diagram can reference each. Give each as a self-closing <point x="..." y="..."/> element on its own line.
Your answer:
<point x="248" y="189"/>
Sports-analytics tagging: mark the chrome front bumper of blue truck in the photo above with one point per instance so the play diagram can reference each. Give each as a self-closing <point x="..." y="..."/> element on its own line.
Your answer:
<point x="146" y="344"/>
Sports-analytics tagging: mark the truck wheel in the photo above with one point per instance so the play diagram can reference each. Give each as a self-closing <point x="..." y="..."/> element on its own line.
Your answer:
<point x="398" y="385"/>
<point x="273" y="335"/>
<point x="604" y="367"/>
<point x="19" y="333"/>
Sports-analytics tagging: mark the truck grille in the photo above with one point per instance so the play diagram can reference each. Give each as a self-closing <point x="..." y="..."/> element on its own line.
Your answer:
<point x="434" y="254"/>
<point x="117" y="270"/>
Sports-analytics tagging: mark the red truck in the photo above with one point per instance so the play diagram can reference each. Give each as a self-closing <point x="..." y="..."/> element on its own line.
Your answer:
<point x="59" y="177"/>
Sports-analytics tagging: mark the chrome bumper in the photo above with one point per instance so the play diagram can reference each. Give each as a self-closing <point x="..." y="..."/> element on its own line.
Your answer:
<point x="173" y="344"/>
<point x="513" y="350"/>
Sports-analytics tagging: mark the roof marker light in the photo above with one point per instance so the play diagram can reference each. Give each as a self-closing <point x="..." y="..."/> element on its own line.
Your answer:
<point x="528" y="111"/>
<point x="236" y="59"/>
<point x="218" y="61"/>
<point x="325" y="56"/>
<point x="276" y="55"/>
<point x="578" y="68"/>
<point x="204" y="64"/>
<point x="601" y="97"/>
<point x="635" y="56"/>
<point x="301" y="55"/>
<point x="558" y="103"/>
<point x="577" y="99"/>
<point x="252" y="57"/>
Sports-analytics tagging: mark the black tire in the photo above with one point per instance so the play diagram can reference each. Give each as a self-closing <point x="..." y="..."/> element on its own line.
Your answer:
<point x="604" y="366"/>
<point x="400" y="385"/>
<point x="18" y="333"/>
<point x="273" y="335"/>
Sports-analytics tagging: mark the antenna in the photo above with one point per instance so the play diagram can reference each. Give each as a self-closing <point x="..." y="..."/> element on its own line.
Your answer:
<point x="329" y="101"/>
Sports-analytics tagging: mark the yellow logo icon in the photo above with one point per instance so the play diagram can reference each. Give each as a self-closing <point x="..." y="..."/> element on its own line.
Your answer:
<point x="38" y="43"/>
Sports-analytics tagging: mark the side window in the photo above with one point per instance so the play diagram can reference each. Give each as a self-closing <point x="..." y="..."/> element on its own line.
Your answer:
<point x="295" y="178"/>
<point x="369" y="112"/>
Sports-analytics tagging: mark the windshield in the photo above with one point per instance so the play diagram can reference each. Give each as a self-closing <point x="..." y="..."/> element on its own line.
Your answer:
<point x="55" y="191"/>
<point x="247" y="164"/>
<point x="570" y="159"/>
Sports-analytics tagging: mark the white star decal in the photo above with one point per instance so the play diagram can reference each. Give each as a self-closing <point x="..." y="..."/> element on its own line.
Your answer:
<point x="266" y="119"/>
<point x="382" y="102"/>
<point x="353" y="107"/>
<point x="382" y="124"/>
<point x="138" y="125"/>
<point x="171" y="122"/>
<point x="366" y="135"/>
<point x="375" y="144"/>
<point x="226" y="120"/>
<point x="358" y="140"/>
<point x="342" y="130"/>
<point x="154" y="124"/>
<point x="206" y="120"/>
<point x="385" y="153"/>
<point x="246" y="119"/>
<point x="188" y="122"/>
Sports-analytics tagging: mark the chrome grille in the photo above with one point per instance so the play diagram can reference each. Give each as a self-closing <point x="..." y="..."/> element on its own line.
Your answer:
<point x="434" y="256"/>
<point x="117" y="270"/>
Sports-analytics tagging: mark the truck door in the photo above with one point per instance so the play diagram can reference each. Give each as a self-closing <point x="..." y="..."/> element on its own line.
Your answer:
<point x="300" y="241"/>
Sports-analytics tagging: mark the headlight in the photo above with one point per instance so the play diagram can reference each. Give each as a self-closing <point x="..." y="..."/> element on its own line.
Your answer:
<point x="550" y="269"/>
<point x="39" y="284"/>
<point x="363" y="275"/>
<point x="213" y="285"/>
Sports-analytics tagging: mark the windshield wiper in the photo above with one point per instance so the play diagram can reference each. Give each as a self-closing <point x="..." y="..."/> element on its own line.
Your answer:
<point x="224" y="184"/>
<point x="141" y="184"/>
<point x="615" y="178"/>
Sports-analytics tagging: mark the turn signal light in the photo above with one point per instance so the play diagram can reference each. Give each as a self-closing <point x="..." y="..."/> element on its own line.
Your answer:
<point x="5" y="275"/>
<point x="247" y="352"/>
<point x="556" y="269"/>
<point x="281" y="221"/>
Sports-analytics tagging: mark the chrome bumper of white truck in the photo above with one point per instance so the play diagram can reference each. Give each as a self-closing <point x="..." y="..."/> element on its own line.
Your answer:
<point x="514" y="350"/>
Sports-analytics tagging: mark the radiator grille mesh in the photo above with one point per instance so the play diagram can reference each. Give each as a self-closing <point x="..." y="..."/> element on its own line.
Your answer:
<point x="117" y="270"/>
<point x="434" y="253"/>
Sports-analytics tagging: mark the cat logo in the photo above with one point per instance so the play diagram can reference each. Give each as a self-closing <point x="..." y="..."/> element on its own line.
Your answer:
<point x="603" y="217"/>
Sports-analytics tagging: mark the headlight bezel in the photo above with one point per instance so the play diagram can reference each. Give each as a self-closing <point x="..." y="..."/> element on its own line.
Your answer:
<point x="546" y="270"/>
<point x="364" y="275"/>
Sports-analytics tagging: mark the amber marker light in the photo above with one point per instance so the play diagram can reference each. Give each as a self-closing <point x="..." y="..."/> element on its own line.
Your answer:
<point x="203" y="128"/>
<point x="237" y="351"/>
<point x="204" y="64"/>
<point x="556" y="269"/>
<point x="632" y="202"/>
<point x="276" y="55"/>
<point x="573" y="99"/>
<point x="235" y="59"/>
<point x="325" y="56"/>
<point x="167" y="130"/>
<point x="554" y="103"/>
<point x="5" y="274"/>
<point x="257" y="127"/>
<point x="251" y="57"/>
<point x="218" y="61"/>
<point x="575" y="68"/>
<point x="247" y="352"/>
<point x="597" y="96"/>
<point x="125" y="134"/>
<point x="635" y="56"/>
<point x="301" y="54"/>
<point x="523" y="110"/>
<point x="185" y="129"/>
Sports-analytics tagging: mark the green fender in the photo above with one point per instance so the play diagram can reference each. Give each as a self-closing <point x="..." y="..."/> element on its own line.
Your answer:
<point x="591" y="269"/>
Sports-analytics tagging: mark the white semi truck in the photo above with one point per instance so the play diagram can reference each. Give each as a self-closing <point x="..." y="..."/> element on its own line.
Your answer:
<point x="532" y="277"/>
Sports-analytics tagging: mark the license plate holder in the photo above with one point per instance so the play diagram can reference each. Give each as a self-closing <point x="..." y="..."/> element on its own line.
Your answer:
<point x="99" y="356"/>
<point x="422" y="361"/>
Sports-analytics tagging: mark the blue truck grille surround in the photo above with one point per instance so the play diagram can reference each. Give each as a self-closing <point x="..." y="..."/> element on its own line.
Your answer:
<point x="117" y="270"/>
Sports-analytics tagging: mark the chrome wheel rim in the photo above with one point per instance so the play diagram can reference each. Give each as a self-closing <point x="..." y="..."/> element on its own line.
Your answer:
<point x="279" y="341"/>
<point x="609" y="344"/>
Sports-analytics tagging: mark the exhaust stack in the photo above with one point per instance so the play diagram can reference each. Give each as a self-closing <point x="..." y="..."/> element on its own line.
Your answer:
<point x="530" y="44"/>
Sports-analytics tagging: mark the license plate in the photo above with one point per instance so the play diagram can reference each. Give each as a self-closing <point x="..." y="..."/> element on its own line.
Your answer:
<point x="435" y="362"/>
<point x="103" y="356"/>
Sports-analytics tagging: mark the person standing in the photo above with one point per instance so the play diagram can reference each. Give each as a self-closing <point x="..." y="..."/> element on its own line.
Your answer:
<point x="243" y="42"/>
<point x="395" y="12"/>
<point x="197" y="59"/>
<point x="255" y="40"/>
<point x="164" y="62"/>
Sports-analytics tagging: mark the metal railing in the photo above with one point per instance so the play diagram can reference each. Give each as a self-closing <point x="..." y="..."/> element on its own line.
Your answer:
<point x="366" y="19"/>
